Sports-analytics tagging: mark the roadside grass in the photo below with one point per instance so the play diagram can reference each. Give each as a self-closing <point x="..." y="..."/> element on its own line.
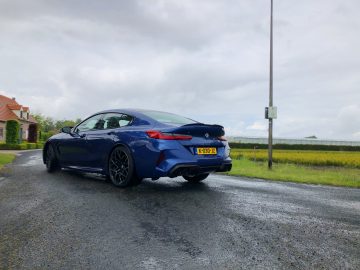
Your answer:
<point x="349" y="159"/>
<point x="335" y="176"/>
<point x="6" y="158"/>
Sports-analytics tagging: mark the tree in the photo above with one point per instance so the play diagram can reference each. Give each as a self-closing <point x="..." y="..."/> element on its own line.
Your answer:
<point x="46" y="124"/>
<point x="49" y="124"/>
<point x="64" y="123"/>
<point x="12" y="132"/>
<point x="77" y="121"/>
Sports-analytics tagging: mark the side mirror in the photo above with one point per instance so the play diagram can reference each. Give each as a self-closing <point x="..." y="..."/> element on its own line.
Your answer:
<point x="66" y="130"/>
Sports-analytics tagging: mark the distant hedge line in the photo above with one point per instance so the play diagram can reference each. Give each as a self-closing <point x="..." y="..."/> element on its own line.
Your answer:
<point x="21" y="146"/>
<point x="296" y="147"/>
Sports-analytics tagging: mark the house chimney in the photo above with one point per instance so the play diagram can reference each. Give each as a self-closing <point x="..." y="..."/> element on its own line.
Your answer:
<point x="13" y="98"/>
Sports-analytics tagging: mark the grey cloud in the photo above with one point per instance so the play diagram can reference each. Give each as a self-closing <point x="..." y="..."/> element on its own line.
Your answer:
<point x="205" y="59"/>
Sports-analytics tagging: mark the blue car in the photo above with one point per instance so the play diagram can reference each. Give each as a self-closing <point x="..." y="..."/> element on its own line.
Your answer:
<point x="129" y="145"/>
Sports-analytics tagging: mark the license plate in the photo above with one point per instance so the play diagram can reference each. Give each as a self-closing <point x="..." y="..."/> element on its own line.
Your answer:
<point x="206" y="151"/>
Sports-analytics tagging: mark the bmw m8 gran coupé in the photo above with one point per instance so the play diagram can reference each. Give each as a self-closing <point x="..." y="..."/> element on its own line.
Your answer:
<point x="129" y="145"/>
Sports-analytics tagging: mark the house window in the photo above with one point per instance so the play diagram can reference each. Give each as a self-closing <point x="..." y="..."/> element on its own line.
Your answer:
<point x="21" y="114"/>
<point x="1" y="133"/>
<point x="27" y="116"/>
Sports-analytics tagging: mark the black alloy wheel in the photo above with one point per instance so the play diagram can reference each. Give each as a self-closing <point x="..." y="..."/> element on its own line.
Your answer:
<point x="121" y="168"/>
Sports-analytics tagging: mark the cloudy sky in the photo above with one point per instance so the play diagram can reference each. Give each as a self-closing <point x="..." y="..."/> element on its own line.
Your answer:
<point x="208" y="60"/>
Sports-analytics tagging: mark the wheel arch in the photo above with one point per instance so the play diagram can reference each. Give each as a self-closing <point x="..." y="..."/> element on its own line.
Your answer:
<point x="112" y="149"/>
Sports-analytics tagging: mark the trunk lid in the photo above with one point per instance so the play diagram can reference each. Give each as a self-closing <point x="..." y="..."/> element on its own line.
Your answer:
<point x="198" y="130"/>
<point x="203" y="136"/>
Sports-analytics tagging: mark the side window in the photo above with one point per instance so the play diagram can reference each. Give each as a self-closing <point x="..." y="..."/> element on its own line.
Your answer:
<point x="116" y="120"/>
<point x="93" y="123"/>
<point x="125" y="120"/>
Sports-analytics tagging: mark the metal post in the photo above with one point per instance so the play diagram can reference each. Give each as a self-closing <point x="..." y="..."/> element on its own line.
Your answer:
<point x="271" y="88"/>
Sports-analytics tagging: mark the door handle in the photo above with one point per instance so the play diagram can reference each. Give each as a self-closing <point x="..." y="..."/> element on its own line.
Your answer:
<point x="82" y="135"/>
<point x="111" y="133"/>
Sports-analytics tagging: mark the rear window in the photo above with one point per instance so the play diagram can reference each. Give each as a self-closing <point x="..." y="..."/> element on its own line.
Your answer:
<point x="169" y="118"/>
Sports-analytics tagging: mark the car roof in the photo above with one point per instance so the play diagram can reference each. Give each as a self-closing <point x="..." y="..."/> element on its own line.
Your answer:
<point x="137" y="113"/>
<point x="132" y="112"/>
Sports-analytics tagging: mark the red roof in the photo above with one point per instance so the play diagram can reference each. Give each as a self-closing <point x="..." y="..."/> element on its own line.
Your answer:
<point x="7" y="114"/>
<point x="5" y="100"/>
<point x="14" y="106"/>
<point x="6" y="107"/>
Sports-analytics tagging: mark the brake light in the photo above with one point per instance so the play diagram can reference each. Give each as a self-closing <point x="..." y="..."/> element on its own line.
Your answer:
<point x="155" y="134"/>
<point x="222" y="138"/>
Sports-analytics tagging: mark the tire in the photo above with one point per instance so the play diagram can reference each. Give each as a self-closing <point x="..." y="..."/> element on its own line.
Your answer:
<point x="122" y="168"/>
<point x="196" y="178"/>
<point x="51" y="162"/>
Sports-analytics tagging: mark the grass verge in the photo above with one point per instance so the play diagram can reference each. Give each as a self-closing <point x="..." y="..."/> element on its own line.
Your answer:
<point x="5" y="159"/>
<point x="335" y="176"/>
<point x="303" y="157"/>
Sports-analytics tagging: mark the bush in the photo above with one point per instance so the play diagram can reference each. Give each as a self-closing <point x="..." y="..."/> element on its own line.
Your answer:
<point x="44" y="136"/>
<point x="21" y="146"/>
<point x="12" y="132"/>
<point x="31" y="146"/>
<point x="5" y="146"/>
<point x="39" y="145"/>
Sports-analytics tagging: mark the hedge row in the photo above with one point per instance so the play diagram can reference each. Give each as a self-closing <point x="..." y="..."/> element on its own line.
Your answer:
<point x="22" y="146"/>
<point x="296" y="147"/>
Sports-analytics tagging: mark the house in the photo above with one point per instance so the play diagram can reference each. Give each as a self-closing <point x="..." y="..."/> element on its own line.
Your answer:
<point x="11" y="110"/>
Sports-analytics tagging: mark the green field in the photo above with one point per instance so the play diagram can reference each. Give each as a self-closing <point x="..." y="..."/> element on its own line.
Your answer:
<point x="315" y="167"/>
<point x="6" y="158"/>
<point x="304" y="157"/>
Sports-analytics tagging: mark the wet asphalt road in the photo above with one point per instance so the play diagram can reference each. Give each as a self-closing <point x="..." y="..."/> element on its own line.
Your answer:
<point x="72" y="221"/>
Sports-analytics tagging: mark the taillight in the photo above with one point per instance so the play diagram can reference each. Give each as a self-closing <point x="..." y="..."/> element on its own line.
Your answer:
<point x="155" y="134"/>
<point x="222" y="138"/>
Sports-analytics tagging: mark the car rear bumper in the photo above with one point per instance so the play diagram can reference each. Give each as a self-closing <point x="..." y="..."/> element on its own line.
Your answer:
<point x="171" y="158"/>
<point x="188" y="169"/>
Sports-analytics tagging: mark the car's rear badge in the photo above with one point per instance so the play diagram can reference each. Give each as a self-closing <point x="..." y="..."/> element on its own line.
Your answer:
<point x="207" y="135"/>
